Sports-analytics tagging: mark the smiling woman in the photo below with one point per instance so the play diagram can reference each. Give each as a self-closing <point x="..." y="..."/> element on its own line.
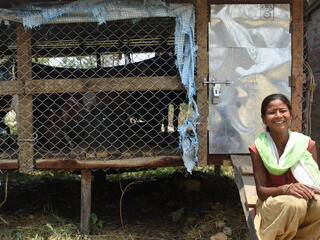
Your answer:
<point x="287" y="176"/>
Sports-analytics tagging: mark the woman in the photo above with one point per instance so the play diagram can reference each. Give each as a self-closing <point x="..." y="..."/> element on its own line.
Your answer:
<point x="286" y="175"/>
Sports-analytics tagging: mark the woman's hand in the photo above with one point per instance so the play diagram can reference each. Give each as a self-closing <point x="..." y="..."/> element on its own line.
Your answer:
<point x="301" y="191"/>
<point x="316" y="191"/>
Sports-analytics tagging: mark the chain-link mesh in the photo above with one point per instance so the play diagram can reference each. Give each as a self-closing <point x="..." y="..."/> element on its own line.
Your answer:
<point x="311" y="71"/>
<point x="308" y="85"/>
<point x="101" y="92"/>
<point x="8" y="102"/>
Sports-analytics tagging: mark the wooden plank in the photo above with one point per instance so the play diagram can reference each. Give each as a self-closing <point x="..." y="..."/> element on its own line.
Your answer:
<point x="10" y="87"/>
<point x="180" y="1"/>
<point x="202" y="19"/>
<point x="161" y="161"/>
<point x="246" y="170"/>
<point x="85" y="201"/>
<point x="250" y="190"/>
<point x="250" y="223"/>
<point x="243" y="163"/>
<point x="25" y="129"/>
<point x="103" y="84"/>
<point x="245" y="188"/>
<point x="246" y="166"/>
<point x="249" y="1"/>
<point x="9" y="164"/>
<point x="217" y="159"/>
<point x="297" y="64"/>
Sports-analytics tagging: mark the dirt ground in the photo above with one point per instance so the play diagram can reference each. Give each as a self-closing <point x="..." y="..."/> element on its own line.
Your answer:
<point x="166" y="206"/>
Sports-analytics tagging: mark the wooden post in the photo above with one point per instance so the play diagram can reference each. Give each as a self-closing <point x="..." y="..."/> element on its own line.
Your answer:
<point x="25" y="129"/>
<point x="297" y="64"/>
<point x="202" y="74"/>
<point x="85" y="201"/>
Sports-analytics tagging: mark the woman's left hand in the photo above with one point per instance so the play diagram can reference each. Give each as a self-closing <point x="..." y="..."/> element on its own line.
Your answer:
<point x="316" y="191"/>
<point x="300" y="190"/>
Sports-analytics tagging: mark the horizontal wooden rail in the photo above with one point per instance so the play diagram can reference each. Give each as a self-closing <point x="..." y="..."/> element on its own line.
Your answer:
<point x="91" y="85"/>
<point x="250" y="1"/>
<point x="9" y="164"/>
<point x="161" y="161"/>
<point x="10" y="87"/>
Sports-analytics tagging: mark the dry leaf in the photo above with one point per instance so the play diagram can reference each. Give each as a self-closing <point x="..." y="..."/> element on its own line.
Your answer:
<point x="219" y="236"/>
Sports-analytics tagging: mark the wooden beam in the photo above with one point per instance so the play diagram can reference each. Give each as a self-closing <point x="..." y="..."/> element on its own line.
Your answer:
<point x="9" y="164"/>
<point x="148" y="162"/>
<point x="86" y="177"/>
<point x="297" y="64"/>
<point x="25" y="129"/>
<point x="245" y="183"/>
<point x="202" y="19"/>
<point x="250" y="1"/>
<point x="103" y="84"/>
<point x="217" y="159"/>
<point x="10" y="87"/>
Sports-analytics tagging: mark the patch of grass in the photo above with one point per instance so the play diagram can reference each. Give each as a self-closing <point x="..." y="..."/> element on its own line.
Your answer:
<point x="40" y="227"/>
<point x="167" y="171"/>
<point x="227" y="171"/>
<point x="145" y="174"/>
<point x="38" y="175"/>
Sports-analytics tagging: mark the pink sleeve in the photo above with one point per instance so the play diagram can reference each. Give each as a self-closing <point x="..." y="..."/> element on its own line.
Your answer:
<point x="311" y="145"/>
<point x="253" y="148"/>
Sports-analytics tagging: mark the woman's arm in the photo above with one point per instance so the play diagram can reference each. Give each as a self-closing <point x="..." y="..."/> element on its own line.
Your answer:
<point x="260" y="177"/>
<point x="313" y="150"/>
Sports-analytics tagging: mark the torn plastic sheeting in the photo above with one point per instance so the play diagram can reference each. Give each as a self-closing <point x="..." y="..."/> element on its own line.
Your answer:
<point x="95" y="10"/>
<point x="186" y="60"/>
<point x="189" y="144"/>
<point x="102" y="11"/>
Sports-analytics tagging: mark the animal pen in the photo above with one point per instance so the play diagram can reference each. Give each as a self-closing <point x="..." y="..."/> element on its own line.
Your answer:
<point x="123" y="84"/>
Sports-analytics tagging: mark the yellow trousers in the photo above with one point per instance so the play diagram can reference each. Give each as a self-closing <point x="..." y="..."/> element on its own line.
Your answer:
<point x="286" y="217"/>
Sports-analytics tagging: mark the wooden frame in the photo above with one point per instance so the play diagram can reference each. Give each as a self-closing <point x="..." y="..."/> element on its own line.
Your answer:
<point x="25" y="100"/>
<point x="90" y="84"/>
<point x="148" y="162"/>
<point x="103" y="84"/>
<point x="297" y="8"/>
<point x="249" y="1"/>
<point x="25" y="87"/>
<point x="202" y="20"/>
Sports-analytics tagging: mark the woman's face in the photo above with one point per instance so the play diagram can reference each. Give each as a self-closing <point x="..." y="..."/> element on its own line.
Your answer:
<point x="277" y="116"/>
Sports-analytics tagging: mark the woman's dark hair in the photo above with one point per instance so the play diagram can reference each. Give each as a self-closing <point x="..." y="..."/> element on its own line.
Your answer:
<point x="273" y="97"/>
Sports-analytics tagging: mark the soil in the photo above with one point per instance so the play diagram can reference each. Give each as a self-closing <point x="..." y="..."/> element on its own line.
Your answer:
<point x="173" y="206"/>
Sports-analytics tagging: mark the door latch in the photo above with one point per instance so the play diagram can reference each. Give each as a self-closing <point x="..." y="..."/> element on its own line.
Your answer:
<point x="216" y="89"/>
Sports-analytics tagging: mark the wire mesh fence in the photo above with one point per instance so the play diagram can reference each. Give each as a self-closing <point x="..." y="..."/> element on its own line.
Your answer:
<point x="83" y="90"/>
<point x="309" y="84"/>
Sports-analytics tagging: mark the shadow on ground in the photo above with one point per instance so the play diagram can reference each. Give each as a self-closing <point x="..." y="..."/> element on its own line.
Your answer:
<point x="174" y="206"/>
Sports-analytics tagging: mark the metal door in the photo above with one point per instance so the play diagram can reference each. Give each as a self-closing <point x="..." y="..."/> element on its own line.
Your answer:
<point x="249" y="58"/>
